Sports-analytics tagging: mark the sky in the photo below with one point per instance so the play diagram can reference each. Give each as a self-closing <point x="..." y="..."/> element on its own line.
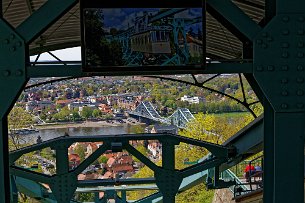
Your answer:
<point x="69" y="54"/>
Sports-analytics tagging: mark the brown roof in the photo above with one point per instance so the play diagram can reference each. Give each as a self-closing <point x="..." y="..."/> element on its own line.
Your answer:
<point x="122" y="168"/>
<point x="107" y="175"/>
<point x="126" y="160"/>
<point x="111" y="161"/>
<point x="74" y="158"/>
<point x="63" y="101"/>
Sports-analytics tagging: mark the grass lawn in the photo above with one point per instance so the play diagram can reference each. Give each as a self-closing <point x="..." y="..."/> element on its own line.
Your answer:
<point x="232" y="114"/>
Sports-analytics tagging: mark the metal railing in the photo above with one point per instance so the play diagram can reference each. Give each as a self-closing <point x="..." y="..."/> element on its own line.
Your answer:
<point x="253" y="180"/>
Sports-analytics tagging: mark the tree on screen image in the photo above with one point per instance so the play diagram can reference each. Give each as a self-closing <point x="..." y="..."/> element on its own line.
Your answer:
<point x="99" y="49"/>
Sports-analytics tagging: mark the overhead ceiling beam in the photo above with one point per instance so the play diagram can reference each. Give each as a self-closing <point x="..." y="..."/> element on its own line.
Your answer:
<point x="43" y="18"/>
<point x="242" y="22"/>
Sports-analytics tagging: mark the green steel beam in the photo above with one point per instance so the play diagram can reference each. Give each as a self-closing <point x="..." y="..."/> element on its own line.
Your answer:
<point x="154" y="198"/>
<point x="221" y="19"/>
<point x="248" y="141"/>
<point x="294" y="6"/>
<point x="54" y="47"/>
<point x="107" y="182"/>
<point x="210" y="163"/>
<point x="14" y="155"/>
<point x="289" y="157"/>
<point x="236" y="17"/>
<point x="118" y="188"/>
<point x="12" y="81"/>
<point x="270" y="10"/>
<point x="169" y="183"/>
<point x="217" y="150"/>
<point x="141" y="157"/>
<point x="31" y="175"/>
<point x="43" y="18"/>
<point x="268" y="152"/>
<point x="101" y="150"/>
<point x="75" y="70"/>
<point x="62" y="159"/>
<point x="4" y="170"/>
<point x="34" y="190"/>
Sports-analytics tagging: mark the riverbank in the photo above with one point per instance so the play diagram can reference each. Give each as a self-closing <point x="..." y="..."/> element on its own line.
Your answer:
<point x="84" y="124"/>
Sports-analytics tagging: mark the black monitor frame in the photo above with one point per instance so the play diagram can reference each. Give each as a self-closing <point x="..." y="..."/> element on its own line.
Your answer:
<point x="145" y="69"/>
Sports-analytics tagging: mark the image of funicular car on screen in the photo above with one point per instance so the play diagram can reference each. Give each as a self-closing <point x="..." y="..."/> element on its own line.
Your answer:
<point x="143" y="36"/>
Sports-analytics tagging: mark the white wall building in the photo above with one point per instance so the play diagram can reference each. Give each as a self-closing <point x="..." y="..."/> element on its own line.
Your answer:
<point x="192" y="100"/>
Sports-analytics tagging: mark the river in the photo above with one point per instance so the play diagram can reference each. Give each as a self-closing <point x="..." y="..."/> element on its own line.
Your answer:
<point x="47" y="134"/>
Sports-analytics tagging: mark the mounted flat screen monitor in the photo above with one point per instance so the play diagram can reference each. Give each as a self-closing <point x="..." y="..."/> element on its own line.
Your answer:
<point x="140" y="37"/>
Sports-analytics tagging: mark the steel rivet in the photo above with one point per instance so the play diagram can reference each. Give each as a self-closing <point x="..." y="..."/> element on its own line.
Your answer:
<point x="6" y="41"/>
<point x="300" y="80"/>
<point x="259" y="68"/>
<point x="6" y="73"/>
<point x="300" y="68"/>
<point x="284" y="106"/>
<point x="285" y="55"/>
<point x="285" y="68"/>
<point x="12" y="36"/>
<point x="270" y="68"/>
<point x="19" y="44"/>
<point x="13" y="49"/>
<point x="300" y="92"/>
<point x="301" y="19"/>
<point x="285" y="32"/>
<point x="285" y="45"/>
<point x="300" y="105"/>
<point x="285" y="19"/>
<point x="300" y="32"/>
<point x="300" y="54"/>
<point x="284" y="93"/>
<point x="19" y="72"/>
<point x="284" y="80"/>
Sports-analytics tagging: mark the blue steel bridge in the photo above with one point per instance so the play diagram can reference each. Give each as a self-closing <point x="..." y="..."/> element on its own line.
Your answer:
<point x="145" y="111"/>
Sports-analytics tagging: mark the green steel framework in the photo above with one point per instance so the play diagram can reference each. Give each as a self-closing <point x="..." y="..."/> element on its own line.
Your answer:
<point x="276" y="74"/>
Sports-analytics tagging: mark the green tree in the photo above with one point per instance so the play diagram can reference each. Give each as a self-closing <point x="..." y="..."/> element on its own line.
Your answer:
<point x="96" y="113"/>
<point x="87" y="112"/>
<point x="85" y="197"/>
<point x="136" y="129"/>
<point x="18" y="118"/>
<point x="102" y="159"/>
<point x="80" y="150"/>
<point x="63" y="114"/>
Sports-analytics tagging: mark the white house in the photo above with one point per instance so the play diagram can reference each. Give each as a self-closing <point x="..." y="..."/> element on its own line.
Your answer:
<point x="192" y="100"/>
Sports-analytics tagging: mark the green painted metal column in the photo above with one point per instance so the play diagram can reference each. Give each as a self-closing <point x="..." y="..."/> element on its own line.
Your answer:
<point x="12" y="81"/>
<point x="13" y="57"/>
<point x="4" y="163"/>
<point x="268" y="152"/>
<point x="289" y="157"/>
<point x="168" y="163"/>
<point x="279" y="70"/>
<point x="124" y="196"/>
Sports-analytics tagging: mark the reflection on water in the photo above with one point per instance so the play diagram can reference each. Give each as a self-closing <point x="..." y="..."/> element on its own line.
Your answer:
<point x="47" y="134"/>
